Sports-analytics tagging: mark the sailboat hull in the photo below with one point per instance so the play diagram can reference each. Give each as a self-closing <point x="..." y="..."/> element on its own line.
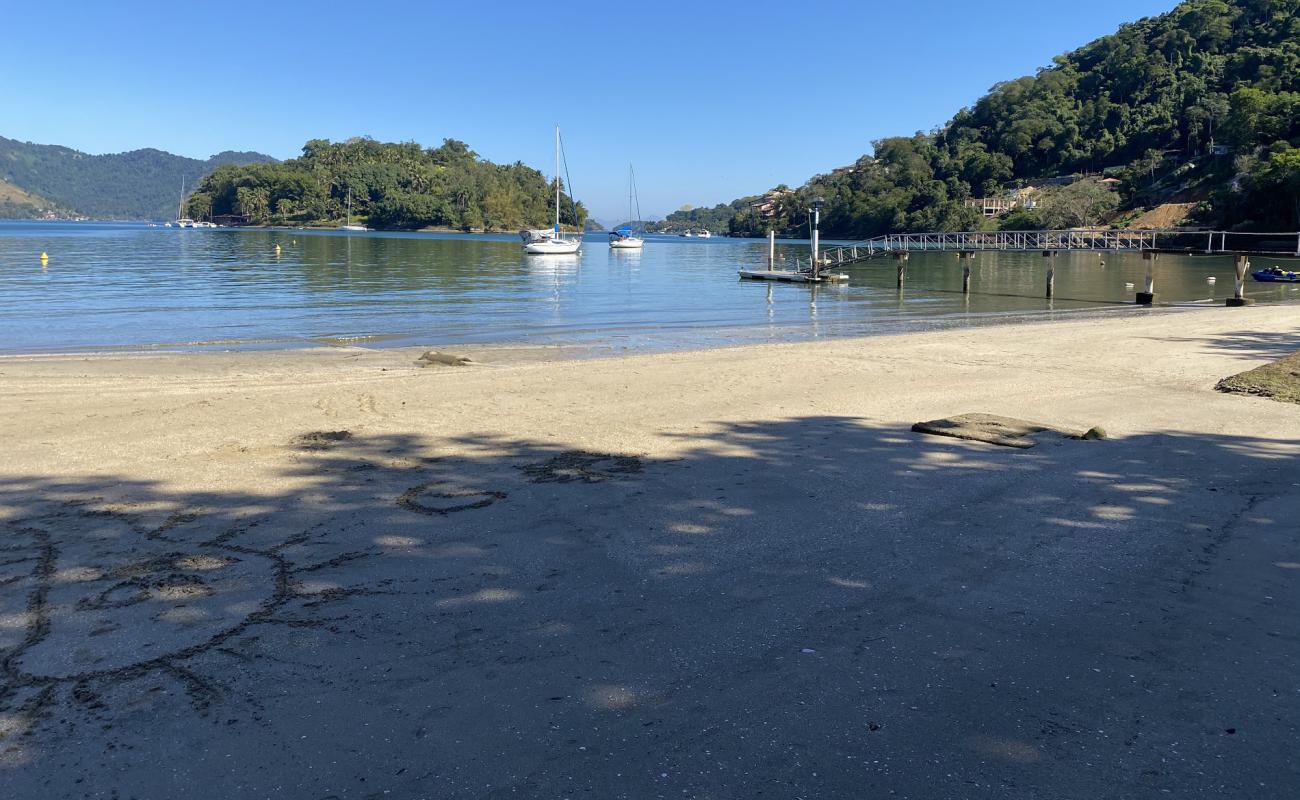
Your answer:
<point x="552" y="247"/>
<point x="629" y="243"/>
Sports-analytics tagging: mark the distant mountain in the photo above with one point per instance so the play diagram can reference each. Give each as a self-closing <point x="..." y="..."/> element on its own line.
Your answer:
<point x="141" y="184"/>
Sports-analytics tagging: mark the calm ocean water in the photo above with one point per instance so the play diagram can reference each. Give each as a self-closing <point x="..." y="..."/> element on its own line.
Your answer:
<point x="122" y="286"/>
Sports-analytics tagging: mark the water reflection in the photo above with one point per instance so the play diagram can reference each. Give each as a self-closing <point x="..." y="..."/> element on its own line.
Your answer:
<point x="125" y="285"/>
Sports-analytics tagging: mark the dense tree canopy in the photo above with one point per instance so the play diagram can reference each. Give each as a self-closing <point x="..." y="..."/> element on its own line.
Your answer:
<point x="716" y="219"/>
<point x="392" y="186"/>
<point x="1146" y="102"/>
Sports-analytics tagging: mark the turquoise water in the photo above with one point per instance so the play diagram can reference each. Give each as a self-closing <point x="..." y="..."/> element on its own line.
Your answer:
<point x="121" y="286"/>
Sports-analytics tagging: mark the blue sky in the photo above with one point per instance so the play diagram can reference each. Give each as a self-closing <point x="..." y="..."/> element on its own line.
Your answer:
<point x="710" y="100"/>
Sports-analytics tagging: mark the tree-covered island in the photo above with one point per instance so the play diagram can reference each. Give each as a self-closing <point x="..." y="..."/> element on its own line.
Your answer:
<point x="393" y="186"/>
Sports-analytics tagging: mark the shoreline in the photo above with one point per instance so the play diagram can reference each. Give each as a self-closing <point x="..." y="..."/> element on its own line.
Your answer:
<point x="607" y="347"/>
<point x="560" y="570"/>
<point x="1090" y="355"/>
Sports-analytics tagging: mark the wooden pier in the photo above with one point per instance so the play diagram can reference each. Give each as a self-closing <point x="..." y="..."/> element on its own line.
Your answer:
<point x="791" y="276"/>
<point x="967" y="244"/>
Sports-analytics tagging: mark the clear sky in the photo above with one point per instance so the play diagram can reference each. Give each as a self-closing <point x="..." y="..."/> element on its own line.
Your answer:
<point x="710" y="100"/>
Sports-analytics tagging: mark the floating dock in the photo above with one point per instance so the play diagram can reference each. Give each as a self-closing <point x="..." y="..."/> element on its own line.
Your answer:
<point x="789" y="276"/>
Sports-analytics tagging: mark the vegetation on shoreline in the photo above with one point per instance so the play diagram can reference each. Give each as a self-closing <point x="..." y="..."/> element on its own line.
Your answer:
<point x="716" y="219"/>
<point x="1279" y="380"/>
<point x="1201" y="103"/>
<point x="399" y="186"/>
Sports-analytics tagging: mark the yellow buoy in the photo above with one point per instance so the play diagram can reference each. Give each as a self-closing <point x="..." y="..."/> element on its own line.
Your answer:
<point x="277" y="249"/>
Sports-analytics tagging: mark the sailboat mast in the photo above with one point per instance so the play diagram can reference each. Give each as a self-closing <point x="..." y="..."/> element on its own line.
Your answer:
<point x="632" y="184"/>
<point x="180" y="207"/>
<point x="557" y="180"/>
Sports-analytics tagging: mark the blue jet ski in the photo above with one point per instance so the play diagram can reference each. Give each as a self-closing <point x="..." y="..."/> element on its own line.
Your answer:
<point x="1276" y="275"/>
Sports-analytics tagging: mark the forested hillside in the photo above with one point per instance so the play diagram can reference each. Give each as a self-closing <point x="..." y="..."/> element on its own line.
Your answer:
<point x="1201" y="103"/>
<point x="141" y="184"/>
<point x="392" y="186"/>
<point x="16" y="203"/>
<point x="716" y="219"/>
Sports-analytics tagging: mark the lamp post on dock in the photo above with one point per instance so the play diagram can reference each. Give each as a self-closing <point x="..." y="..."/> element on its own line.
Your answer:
<point x="816" y="209"/>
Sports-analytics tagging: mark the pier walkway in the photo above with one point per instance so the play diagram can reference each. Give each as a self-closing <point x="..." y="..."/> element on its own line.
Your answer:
<point x="967" y="244"/>
<point x="1100" y="240"/>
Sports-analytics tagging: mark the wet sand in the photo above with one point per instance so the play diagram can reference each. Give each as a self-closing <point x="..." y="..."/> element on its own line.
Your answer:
<point x="729" y="573"/>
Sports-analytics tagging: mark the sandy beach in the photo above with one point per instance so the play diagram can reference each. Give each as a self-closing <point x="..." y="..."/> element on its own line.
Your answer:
<point x="729" y="573"/>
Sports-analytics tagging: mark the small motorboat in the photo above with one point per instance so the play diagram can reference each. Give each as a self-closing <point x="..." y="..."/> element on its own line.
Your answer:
<point x="1276" y="275"/>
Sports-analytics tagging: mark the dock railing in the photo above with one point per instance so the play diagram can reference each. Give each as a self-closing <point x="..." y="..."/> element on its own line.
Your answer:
<point x="1175" y="240"/>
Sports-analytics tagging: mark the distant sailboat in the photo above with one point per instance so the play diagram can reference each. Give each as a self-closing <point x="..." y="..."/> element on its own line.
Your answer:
<point x="552" y="242"/>
<point x="182" y="221"/>
<point x="349" y="226"/>
<point x="623" y="238"/>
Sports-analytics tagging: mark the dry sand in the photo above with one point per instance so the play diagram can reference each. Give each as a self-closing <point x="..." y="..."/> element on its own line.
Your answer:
<point x="722" y="574"/>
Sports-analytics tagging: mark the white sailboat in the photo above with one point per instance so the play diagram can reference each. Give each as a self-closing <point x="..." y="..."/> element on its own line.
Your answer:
<point x="349" y="226"/>
<point x="182" y="221"/>
<point x="552" y="242"/>
<point x="704" y="234"/>
<point x="623" y="238"/>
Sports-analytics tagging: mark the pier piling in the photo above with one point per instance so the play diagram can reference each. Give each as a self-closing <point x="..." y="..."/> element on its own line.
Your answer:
<point x="1050" y="255"/>
<point x="1148" y="295"/>
<point x="1239" y="291"/>
<point x="902" y="268"/>
<point x="965" y="271"/>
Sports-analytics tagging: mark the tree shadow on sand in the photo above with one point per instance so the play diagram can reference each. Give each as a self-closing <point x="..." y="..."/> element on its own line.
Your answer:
<point x="1263" y="344"/>
<point x="817" y="606"/>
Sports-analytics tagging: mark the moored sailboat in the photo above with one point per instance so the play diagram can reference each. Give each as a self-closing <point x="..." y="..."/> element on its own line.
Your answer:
<point x="624" y="238"/>
<point x="182" y="221"/>
<point x="349" y="226"/>
<point x="551" y="242"/>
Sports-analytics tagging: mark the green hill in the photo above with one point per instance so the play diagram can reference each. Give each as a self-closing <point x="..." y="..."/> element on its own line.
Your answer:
<point x="392" y="186"/>
<point x="716" y="219"/>
<point x="141" y="184"/>
<point x="16" y="203"/>
<point x="1199" y="104"/>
